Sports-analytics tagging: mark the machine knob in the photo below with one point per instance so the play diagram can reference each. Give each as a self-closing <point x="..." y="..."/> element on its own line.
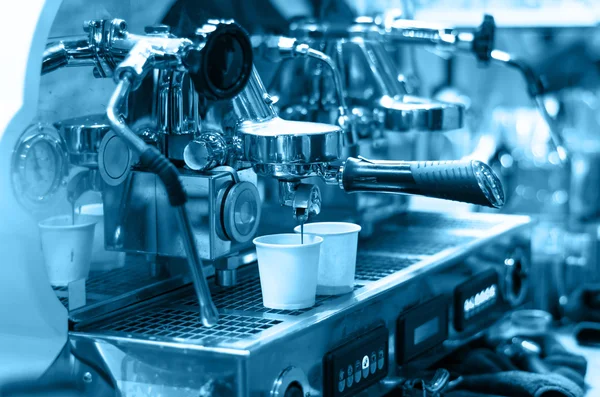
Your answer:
<point x="220" y="64"/>
<point x="294" y="390"/>
<point x="291" y="382"/>
<point x="114" y="159"/>
<point x="484" y="40"/>
<point x="241" y="212"/>
<point x="205" y="152"/>
<point x="157" y="29"/>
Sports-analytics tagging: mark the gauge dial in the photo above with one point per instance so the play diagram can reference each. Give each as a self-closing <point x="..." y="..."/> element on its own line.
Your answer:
<point x="39" y="166"/>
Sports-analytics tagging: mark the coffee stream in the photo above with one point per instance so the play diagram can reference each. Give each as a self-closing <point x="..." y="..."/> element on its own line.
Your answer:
<point x="300" y="216"/>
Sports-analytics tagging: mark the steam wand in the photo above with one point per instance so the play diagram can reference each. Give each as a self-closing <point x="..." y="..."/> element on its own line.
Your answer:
<point x="153" y="160"/>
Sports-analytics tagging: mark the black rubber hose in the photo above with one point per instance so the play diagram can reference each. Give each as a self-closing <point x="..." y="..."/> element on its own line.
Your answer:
<point x="152" y="160"/>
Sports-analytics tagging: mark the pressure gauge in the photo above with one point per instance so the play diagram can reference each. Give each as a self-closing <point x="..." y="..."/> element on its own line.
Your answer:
<point x="39" y="166"/>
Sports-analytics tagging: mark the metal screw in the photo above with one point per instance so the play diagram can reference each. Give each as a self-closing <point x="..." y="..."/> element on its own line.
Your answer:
<point x="87" y="377"/>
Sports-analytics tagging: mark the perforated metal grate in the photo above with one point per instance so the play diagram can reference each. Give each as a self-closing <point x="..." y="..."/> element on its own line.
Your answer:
<point x="376" y="267"/>
<point x="165" y="323"/>
<point x="120" y="281"/>
<point x="437" y="221"/>
<point x="247" y="296"/>
<point x="415" y="243"/>
<point x="103" y="285"/>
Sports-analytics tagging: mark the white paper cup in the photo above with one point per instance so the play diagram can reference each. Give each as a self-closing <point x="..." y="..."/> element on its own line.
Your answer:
<point x="337" y="263"/>
<point x="288" y="270"/>
<point x="102" y="260"/>
<point x="67" y="249"/>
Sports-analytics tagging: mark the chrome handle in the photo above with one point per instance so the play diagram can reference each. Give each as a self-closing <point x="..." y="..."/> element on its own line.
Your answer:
<point x="478" y="41"/>
<point x="466" y="181"/>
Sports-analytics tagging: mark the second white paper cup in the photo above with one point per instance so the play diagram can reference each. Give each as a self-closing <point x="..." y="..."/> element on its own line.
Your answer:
<point x="67" y="249"/>
<point x="288" y="270"/>
<point x="337" y="263"/>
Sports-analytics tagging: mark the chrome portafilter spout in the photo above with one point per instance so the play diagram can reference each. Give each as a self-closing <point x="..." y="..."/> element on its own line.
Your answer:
<point x="304" y="198"/>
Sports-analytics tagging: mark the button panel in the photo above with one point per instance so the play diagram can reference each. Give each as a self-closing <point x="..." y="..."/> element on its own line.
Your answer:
<point x="357" y="364"/>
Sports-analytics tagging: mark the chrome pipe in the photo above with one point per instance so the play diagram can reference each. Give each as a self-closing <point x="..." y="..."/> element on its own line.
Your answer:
<point x="208" y="312"/>
<point x="209" y="315"/>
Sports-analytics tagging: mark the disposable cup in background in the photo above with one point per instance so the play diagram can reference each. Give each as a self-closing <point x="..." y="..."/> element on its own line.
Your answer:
<point x="102" y="260"/>
<point x="67" y="248"/>
<point x="337" y="263"/>
<point x="288" y="270"/>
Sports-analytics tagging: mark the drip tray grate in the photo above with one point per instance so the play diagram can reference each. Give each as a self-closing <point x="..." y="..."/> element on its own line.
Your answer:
<point x="375" y="267"/>
<point x="247" y="297"/>
<point x="165" y="323"/>
<point x="436" y="221"/>
<point x="415" y="243"/>
<point x="101" y="285"/>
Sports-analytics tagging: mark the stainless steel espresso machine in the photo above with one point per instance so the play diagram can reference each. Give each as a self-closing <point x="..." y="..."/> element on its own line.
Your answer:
<point x="189" y="130"/>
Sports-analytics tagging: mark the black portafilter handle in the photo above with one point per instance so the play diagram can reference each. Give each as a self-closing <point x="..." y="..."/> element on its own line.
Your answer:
<point x="468" y="181"/>
<point x="220" y="62"/>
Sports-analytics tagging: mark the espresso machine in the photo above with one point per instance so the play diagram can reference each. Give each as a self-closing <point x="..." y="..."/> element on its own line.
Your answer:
<point x="188" y="132"/>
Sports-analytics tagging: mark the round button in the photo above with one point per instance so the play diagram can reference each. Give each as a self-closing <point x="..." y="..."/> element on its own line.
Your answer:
<point x="365" y="362"/>
<point x="241" y="212"/>
<point x="373" y="363"/>
<point x="350" y="373"/>
<point x="357" y="371"/>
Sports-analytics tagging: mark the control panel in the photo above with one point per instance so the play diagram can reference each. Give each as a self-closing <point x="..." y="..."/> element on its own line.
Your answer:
<point x="475" y="299"/>
<point x="421" y="328"/>
<point x="357" y="364"/>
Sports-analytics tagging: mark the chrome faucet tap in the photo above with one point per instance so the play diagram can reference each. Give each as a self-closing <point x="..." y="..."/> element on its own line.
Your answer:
<point x="305" y="199"/>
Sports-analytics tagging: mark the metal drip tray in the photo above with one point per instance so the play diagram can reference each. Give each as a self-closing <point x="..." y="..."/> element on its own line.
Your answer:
<point x="106" y="284"/>
<point x="254" y="344"/>
<point x="375" y="267"/>
<point x="438" y="221"/>
<point x="246" y="297"/>
<point x="244" y="319"/>
<point x="135" y="281"/>
<point x="185" y="325"/>
<point x="415" y="243"/>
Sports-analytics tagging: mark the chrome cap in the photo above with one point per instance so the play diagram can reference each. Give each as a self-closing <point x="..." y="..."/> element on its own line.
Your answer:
<point x="489" y="183"/>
